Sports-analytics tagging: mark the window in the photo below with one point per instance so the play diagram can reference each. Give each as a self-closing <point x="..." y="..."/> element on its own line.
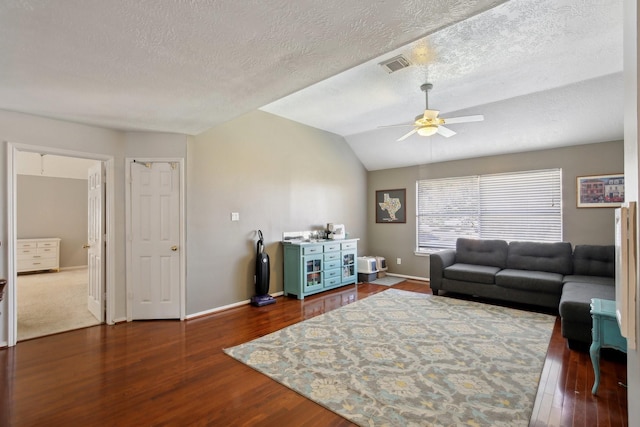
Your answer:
<point x="510" y="206"/>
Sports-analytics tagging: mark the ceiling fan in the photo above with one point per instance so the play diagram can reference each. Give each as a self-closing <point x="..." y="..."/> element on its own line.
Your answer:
<point x="429" y="123"/>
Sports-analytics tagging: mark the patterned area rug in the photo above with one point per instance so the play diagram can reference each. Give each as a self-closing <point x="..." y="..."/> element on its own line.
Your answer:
<point x="407" y="359"/>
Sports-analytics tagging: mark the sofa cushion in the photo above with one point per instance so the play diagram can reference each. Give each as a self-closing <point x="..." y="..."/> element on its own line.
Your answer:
<point x="471" y="273"/>
<point x="482" y="252"/>
<point x="534" y="281"/>
<point x="575" y="303"/>
<point x="536" y="256"/>
<point x="598" y="280"/>
<point x="594" y="260"/>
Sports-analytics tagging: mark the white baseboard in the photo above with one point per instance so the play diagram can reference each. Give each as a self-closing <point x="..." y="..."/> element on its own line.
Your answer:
<point x="226" y="307"/>
<point x="424" y="279"/>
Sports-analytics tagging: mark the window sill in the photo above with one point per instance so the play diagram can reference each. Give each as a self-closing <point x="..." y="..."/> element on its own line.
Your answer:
<point x="426" y="252"/>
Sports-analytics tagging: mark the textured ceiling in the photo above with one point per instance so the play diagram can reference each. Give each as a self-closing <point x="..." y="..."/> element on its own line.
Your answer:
<point x="190" y="65"/>
<point x="540" y="71"/>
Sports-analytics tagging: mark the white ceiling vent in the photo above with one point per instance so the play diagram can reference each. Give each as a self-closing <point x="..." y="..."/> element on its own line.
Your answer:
<point x="395" y="64"/>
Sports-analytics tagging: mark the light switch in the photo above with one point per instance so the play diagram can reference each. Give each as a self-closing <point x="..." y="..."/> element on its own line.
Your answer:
<point x="235" y="216"/>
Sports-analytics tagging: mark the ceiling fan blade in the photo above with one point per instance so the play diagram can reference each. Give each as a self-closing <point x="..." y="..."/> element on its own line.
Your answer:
<point x="396" y="125"/>
<point x="407" y="135"/>
<point x="446" y="132"/>
<point x="463" y="119"/>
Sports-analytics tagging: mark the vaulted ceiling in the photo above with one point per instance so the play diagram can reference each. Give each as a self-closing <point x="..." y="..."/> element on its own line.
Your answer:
<point x="544" y="73"/>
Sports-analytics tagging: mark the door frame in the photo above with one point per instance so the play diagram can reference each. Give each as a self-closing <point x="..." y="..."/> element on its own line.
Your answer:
<point x="182" y="257"/>
<point x="108" y="216"/>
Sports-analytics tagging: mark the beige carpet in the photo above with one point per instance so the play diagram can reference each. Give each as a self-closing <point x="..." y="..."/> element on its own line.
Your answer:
<point x="49" y="303"/>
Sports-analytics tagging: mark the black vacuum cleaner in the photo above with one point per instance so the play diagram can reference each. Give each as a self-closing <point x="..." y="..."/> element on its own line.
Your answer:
<point x="261" y="278"/>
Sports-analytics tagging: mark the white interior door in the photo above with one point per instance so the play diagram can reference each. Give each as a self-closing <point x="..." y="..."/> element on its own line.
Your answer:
<point x="155" y="239"/>
<point x="95" y="243"/>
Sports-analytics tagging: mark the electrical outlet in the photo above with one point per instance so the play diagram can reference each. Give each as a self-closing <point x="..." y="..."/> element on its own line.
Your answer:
<point x="235" y="216"/>
<point x="398" y="261"/>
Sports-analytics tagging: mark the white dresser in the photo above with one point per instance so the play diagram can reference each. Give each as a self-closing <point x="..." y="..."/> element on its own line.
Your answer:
<point x="38" y="254"/>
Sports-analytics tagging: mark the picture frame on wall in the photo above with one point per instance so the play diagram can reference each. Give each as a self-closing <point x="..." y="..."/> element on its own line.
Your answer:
<point x="391" y="206"/>
<point x="600" y="191"/>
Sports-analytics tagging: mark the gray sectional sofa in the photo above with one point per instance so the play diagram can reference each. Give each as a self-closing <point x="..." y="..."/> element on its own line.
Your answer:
<point x="549" y="275"/>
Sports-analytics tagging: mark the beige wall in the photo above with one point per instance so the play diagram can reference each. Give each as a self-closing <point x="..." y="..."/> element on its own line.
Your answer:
<point x="279" y="176"/>
<point x="54" y="207"/>
<point x="59" y="135"/>
<point x="632" y="184"/>
<point x="581" y="226"/>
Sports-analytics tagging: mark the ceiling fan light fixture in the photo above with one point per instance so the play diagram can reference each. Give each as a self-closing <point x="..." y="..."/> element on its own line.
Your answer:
<point x="427" y="130"/>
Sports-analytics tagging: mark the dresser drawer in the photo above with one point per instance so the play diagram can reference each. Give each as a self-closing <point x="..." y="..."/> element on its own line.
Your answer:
<point x="47" y="252"/>
<point x="27" y="245"/>
<point x="332" y="281"/>
<point x="331" y="256"/>
<point x="310" y="250"/>
<point x="332" y="273"/>
<point x="29" y="253"/>
<point x="349" y="245"/>
<point x="334" y="263"/>
<point x="36" y="264"/>
<point x="35" y="256"/>
<point x="331" y="247"/>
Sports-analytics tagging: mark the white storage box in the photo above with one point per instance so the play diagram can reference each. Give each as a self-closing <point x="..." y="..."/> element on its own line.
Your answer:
<point x="367" y="264"/>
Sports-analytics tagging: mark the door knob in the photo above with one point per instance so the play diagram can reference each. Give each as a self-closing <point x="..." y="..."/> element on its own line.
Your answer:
<point x="174" y="248"/>
<point x="86" y="246"/>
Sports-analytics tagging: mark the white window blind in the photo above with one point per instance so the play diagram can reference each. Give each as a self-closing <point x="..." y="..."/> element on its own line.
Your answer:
<point x="513" y="206"/>
<point x="522" y="206"/>
<point x="447" y="209"/>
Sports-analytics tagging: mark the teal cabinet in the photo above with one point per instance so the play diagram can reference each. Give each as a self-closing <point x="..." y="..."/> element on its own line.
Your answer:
<point x="312" y="267"/>
<point x="605" y="333"/>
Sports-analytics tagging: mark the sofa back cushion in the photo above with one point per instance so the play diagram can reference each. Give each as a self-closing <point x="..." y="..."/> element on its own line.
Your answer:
<point x="482" y="252"/>
<point x="594" y="260"/>
<point x="536" y="256"/>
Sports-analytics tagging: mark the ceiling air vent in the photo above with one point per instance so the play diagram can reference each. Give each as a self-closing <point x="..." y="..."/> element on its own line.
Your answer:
<point x="395" y="64"/>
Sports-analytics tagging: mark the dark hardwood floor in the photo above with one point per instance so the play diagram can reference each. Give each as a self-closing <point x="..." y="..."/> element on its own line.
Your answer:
<point x="175" y="374"/>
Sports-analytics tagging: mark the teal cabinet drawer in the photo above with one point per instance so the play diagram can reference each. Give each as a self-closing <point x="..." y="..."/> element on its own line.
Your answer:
<point x="334" y="263"/>
<point x="332" y="281"/>
<point x="332" y="273"/>
<point x="330" y="247"/>
<point x="332" y="256"/>
<point x="349" y="245"/>
<point x="309" y="250"/>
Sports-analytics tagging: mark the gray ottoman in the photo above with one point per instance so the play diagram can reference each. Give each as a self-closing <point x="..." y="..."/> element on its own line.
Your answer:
<point x="575" y="306"/>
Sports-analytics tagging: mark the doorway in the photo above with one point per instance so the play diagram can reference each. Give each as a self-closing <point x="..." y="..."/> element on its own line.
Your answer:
<point x="52" y="224"/>
<point x="16" y="219"/>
